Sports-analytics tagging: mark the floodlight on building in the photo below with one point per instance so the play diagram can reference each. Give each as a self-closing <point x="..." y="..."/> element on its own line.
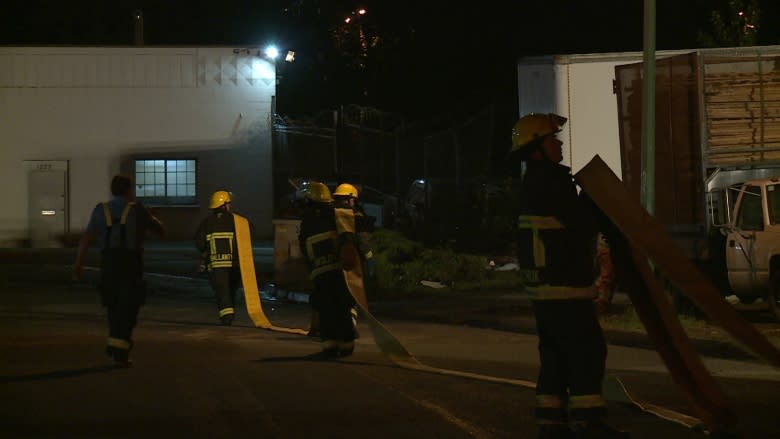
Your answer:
<point x="271" y="52"/>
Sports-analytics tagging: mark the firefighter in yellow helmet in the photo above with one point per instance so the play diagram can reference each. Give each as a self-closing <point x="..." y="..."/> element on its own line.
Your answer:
<point x="331" y="299"/>
<point x="316" y="200"/>
<point x="215" y="238"/>
<point x="346" y="197"/>
<point x="556" y="251"/>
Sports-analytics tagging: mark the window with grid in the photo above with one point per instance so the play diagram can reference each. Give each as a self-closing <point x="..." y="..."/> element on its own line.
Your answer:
<point x="167" y="182"/>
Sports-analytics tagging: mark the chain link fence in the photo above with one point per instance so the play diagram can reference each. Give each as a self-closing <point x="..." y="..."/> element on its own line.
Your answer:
<point x="438" y="175"/>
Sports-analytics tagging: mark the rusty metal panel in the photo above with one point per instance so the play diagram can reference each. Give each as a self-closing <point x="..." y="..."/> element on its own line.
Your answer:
<point x="679" y="191"/>
<point x="646" y="234"/>
<point x="635" y="237"/>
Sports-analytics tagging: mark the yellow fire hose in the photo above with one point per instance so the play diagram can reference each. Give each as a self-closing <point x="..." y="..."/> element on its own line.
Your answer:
<point x="387" y="343"/>
<point x="249" y="280"/>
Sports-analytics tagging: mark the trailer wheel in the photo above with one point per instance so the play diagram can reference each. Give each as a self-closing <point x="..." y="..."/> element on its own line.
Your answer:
<point x="773" y="295"/>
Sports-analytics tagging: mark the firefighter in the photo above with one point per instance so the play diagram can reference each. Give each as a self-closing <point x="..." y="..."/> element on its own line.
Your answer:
<point x="331" y="298"/>
<point x="120" y="227"/>
<point x="309" y="201"/>
<point x="346" y="197"/>
<point x="215" y="238"/>
<point x="556" y="253"/>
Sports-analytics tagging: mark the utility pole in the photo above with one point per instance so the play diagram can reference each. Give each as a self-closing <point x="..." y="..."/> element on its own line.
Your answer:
<point x="138" y="18"/>
<point x="648" y="110"/>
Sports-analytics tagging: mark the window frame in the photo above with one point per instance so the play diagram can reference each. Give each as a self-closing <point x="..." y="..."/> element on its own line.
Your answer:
<point x="749" y="207"/>
<point x="167" y="170"/>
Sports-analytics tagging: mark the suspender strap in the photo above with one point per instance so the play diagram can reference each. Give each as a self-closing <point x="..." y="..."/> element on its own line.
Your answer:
<point x="109" y="223"/>
<point x="107" y="214"/>
<point x="122" y="224"/>
<point x="125" y="212"/>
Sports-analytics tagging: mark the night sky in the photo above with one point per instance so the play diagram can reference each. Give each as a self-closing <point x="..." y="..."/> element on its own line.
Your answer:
<point x="431" y="56"/>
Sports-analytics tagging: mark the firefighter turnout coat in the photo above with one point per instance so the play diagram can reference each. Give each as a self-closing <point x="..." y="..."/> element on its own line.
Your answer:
<point x="215" y="238"/>
<point x="320" y="243"/>
<point x="556" y="253"/>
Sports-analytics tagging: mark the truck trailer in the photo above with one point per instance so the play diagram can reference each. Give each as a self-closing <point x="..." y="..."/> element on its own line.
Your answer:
<point x="716" y="129"/>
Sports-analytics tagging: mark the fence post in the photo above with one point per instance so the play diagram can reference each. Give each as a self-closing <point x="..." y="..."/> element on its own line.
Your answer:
<point x="336" y="135"/>
<point x="398" y="159"/>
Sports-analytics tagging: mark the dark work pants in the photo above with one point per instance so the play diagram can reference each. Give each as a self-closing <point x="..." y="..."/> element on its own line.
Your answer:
<point x="224" y="282"/>
<point x="123" y="313"/>
<point x="122" y="290"/>
<point x="572" y="353"/>
<point x="334" y="302"/>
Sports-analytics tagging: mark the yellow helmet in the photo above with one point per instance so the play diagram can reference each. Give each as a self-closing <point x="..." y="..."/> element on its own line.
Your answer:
<point x="346" y="190"/>
<point x="317" y="192"/>
<point x="219" y="198"/>
<point x="535" y="126"/>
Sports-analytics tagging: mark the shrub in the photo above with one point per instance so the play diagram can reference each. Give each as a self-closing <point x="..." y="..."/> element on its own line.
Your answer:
<point x="401" y="264"/>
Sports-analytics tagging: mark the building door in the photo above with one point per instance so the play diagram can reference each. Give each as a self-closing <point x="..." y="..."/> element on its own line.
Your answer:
<point x="48" y="201"/>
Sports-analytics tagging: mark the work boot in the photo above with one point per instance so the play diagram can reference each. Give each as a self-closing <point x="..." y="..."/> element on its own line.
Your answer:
<point x="346" y="348"/>
<point x="121" y="358"/>
<point x="599" y="430"/>
<point x="226" y="320"/>
<point x="314" y="324"/>
<point x="555" y="431"/>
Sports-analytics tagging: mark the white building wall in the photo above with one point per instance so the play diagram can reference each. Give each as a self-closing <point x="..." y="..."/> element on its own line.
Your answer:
<point x="96" y="106"/>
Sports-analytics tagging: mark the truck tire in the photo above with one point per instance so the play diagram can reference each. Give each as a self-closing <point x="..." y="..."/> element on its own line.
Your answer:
<point x="773" y="295"/>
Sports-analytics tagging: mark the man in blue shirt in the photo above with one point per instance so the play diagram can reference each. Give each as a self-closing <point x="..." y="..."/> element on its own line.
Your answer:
<point x="119" y="226"/>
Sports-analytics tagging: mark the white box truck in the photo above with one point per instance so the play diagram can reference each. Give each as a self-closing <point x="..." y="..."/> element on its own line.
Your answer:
<point x="717" y="131"/>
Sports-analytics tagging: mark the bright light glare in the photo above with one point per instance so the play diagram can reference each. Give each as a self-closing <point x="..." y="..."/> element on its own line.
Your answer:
<point x="262" y="70"/>
<point x="271" y="52"/>
<point x="347" y="20"/>
<point x="290" y="56"/>
<point x="362" y="11"/>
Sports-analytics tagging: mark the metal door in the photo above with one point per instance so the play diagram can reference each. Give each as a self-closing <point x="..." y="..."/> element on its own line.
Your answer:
<point x="747" y="274"/>
<point x="47" y="191"/>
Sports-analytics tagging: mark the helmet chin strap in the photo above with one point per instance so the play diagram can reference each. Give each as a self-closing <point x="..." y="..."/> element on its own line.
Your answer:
<point x="546" y="156"/>
<point x="542" y="153"/>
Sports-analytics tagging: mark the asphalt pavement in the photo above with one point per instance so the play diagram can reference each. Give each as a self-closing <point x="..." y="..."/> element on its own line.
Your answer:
<point x="194" y="378"/>
<point x="171" y="267"/>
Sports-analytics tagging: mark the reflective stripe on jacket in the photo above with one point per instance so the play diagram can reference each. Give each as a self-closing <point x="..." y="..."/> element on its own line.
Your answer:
<point x="318" y="239"/>
<point x="321" y="252"/>
<point x="531" y="278"/>
<point x="216" y="239"/>
<point x="221" y="245"/>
